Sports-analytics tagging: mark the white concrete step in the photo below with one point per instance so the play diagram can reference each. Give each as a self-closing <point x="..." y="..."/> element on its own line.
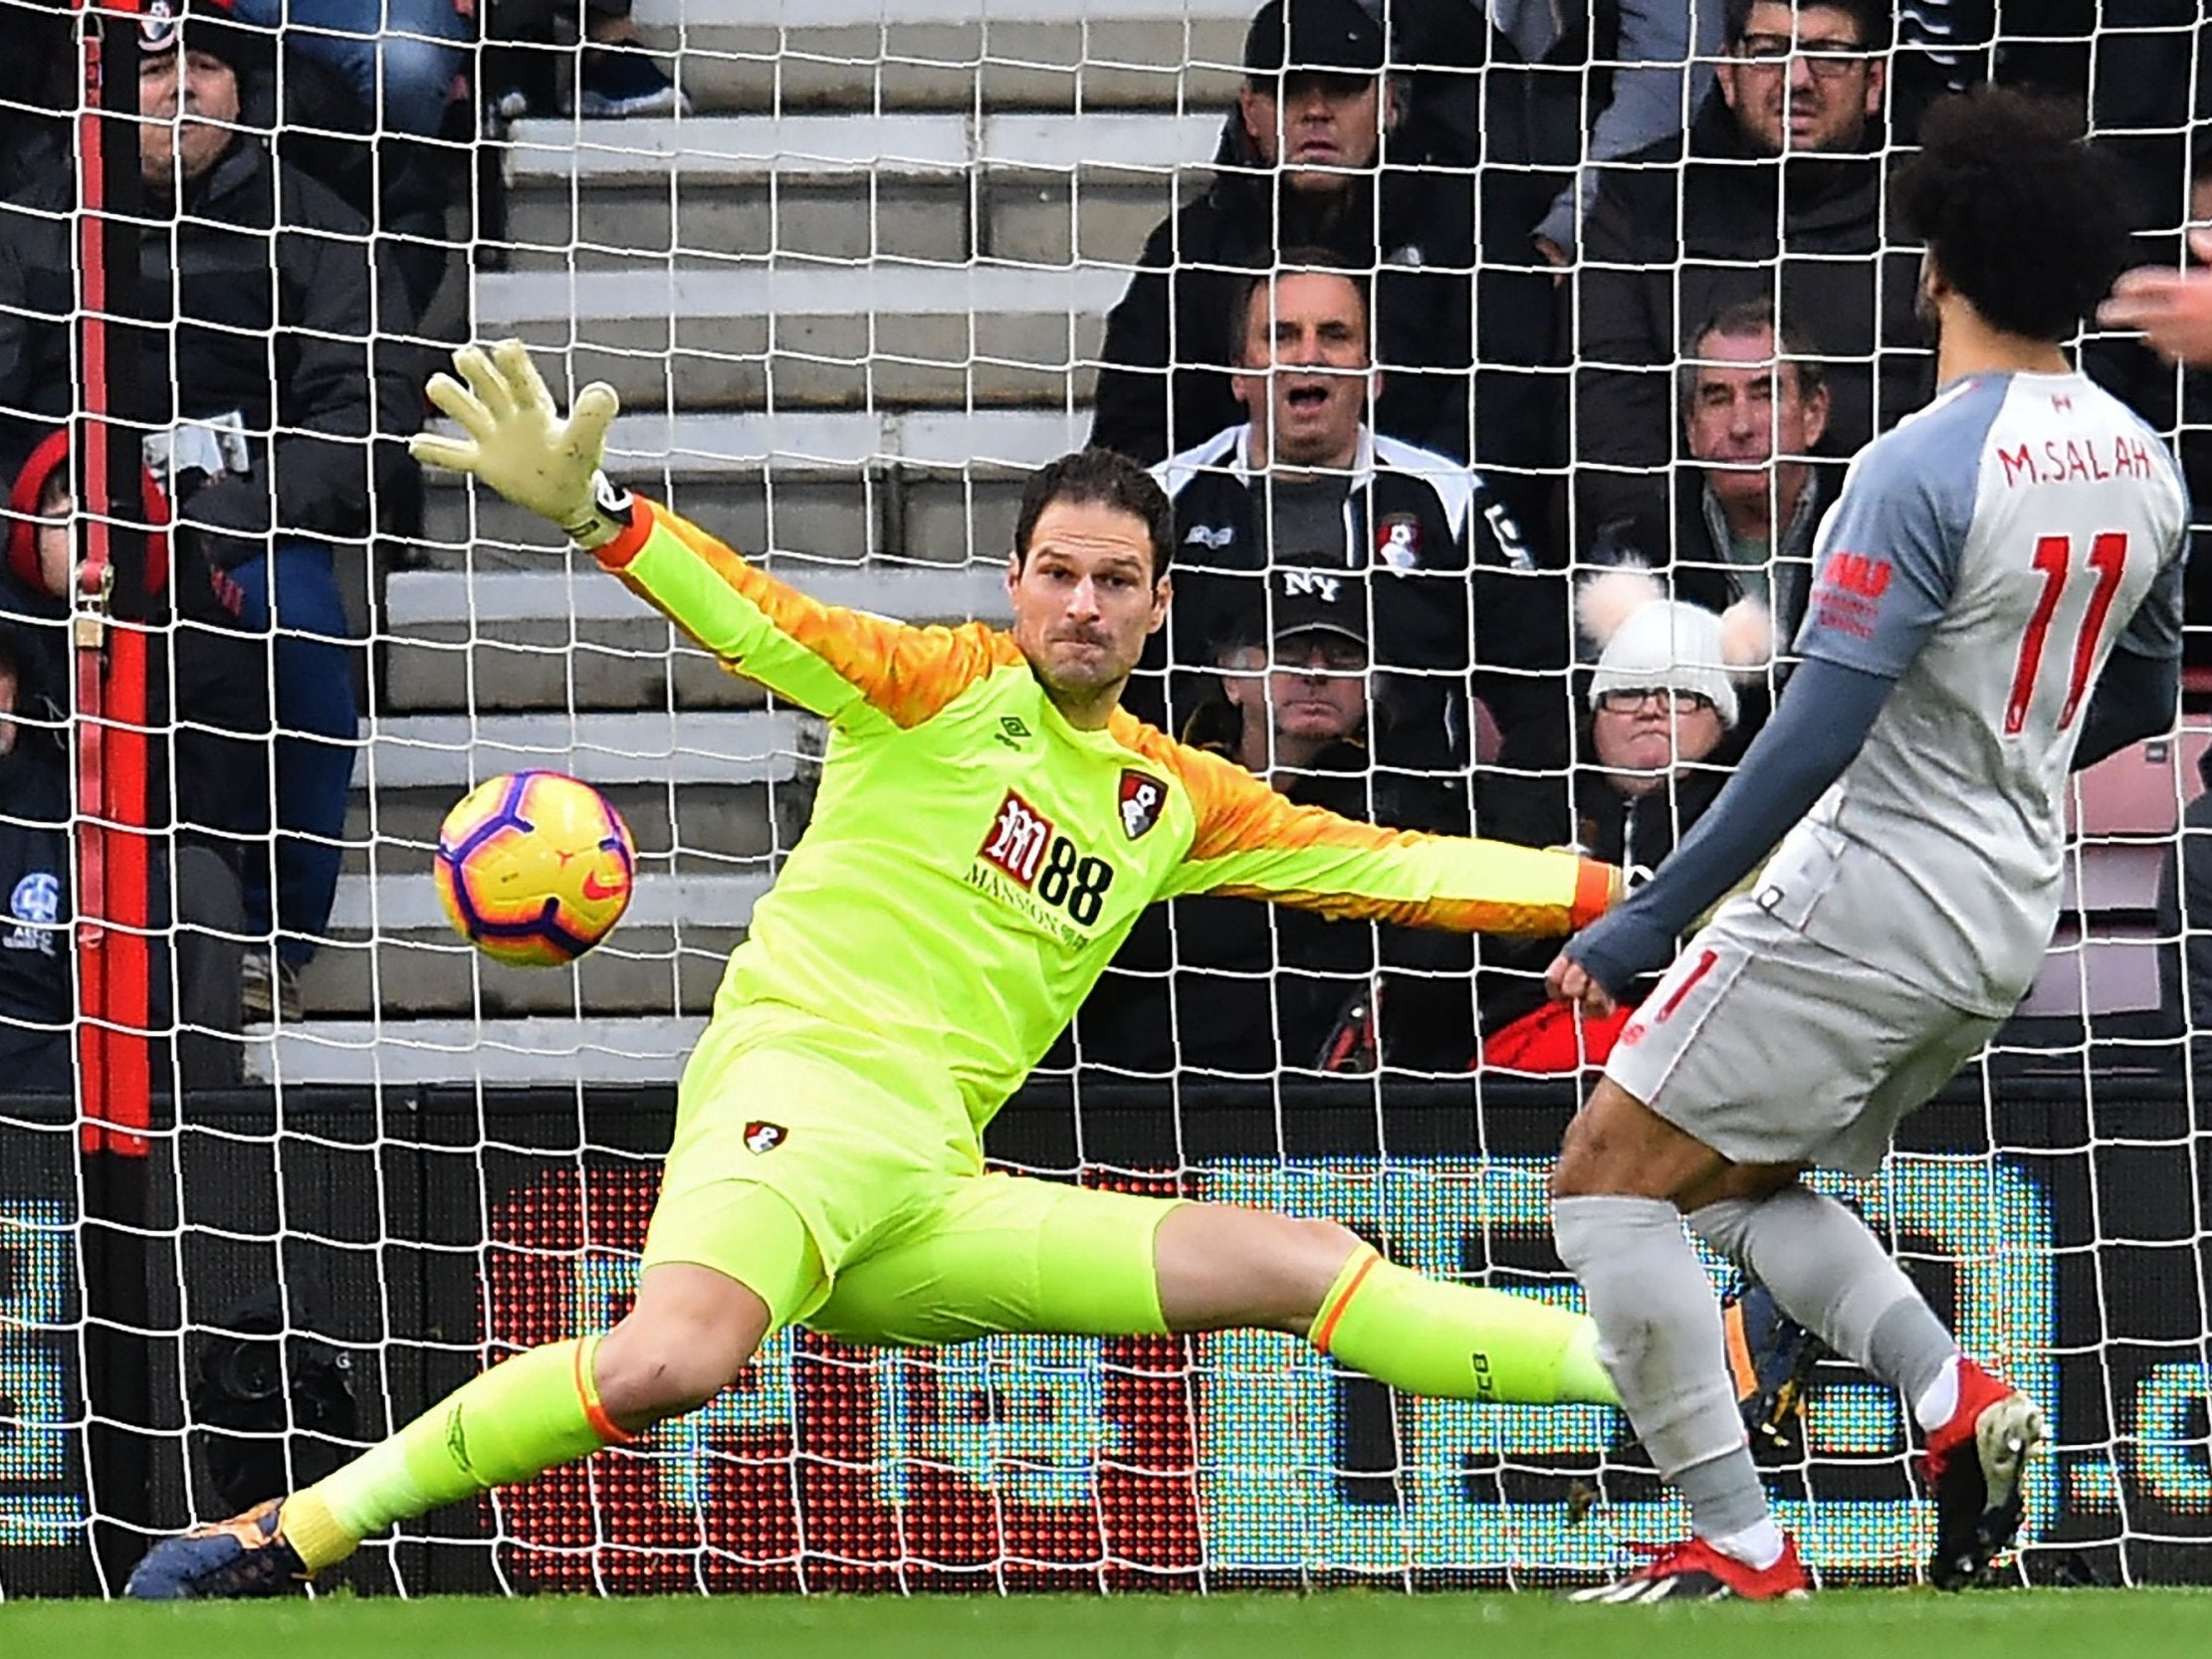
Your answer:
<point x="974" y="293"/>
<point x="642" y="1050"/>
<point x="811" y="444"/>
<point x="418" y="752"/>
<point x="953" y="54"/>
<point x="857" y="149"/>
<point x="797" y="335"/>
<point x="395" y="902"/>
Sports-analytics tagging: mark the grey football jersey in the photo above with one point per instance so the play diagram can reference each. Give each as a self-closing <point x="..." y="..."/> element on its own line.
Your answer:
<point x="1987" y="555"/>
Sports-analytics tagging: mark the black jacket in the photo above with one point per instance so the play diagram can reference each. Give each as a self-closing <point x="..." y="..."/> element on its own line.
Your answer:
<point x="1664" y="247"/>
<point x="275" y="327"/>
<point x="1419" y="526"/>
<point x="1232" y="985"/>
<point x="1432" y="320"/>
<point x="1585" y="811"/>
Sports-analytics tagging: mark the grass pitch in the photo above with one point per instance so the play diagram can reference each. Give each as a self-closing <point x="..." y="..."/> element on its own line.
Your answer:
<point x="2009" y="1625"/>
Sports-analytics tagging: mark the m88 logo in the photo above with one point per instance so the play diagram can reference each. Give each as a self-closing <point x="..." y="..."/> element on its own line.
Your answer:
<point x="1023" y="843"/>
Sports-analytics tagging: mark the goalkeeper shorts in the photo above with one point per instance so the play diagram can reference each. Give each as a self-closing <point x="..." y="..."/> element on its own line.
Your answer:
<point x="850" y="1201"/>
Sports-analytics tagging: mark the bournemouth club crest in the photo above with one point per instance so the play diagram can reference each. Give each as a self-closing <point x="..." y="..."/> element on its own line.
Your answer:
<point x="763" y="1136"/>
<point x="1141" y="797"/>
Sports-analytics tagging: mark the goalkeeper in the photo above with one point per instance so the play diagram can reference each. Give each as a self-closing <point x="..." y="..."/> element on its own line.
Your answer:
<point x="988" y="826"/>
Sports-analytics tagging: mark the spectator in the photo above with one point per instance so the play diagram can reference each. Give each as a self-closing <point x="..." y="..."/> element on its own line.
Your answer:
<point x="1746" y="503"/>
<point x="614" y="76"/>
<point x="1311" y="155"/>
<point x="400" y="58"/>
<point x="1304" y="483"/>
<point x="1774" y="192"/>
<point x="1662" y="702"/>
<point x="361" y="90"/>
<point x="37" y="979"/>
<point x="1216" y="985"/>
<point x="207" y="693"/>
<point x="265" y="391"/>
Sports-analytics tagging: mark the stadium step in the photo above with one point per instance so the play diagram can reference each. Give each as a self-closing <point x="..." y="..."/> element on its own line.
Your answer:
<point x="457" y="750"/>
<point x="952" y="54"/>
<point x="501" y="640"/>
<point x="940" y="485"/>
<point x="937" y="188"/>
<point x="494" y="1050"/>
<point x="395" y="955"/>
<point x="684" y="335"/>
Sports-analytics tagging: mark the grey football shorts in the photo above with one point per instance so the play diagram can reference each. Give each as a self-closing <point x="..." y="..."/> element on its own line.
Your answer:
<point x="1771" y="1048"/>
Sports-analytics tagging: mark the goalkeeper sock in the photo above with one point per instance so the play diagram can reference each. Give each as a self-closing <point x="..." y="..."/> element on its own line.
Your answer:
<point x="1458" y="1341"/>
<point x="511" y="1422"/>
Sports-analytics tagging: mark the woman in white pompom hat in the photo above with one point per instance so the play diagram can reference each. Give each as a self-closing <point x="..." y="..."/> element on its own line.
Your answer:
<point x="1664" y="701"/>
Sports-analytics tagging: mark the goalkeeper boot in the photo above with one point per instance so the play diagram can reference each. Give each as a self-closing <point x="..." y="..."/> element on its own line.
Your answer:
<point x="1771" y="1358"/>
<point x="1975" y="1465"/>
<point x="247" y="1555"/>
<point x="1694" y="1571"/>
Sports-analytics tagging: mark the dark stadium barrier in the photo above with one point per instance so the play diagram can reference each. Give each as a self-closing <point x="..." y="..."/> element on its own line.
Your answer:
<point x="389" y="1234"/>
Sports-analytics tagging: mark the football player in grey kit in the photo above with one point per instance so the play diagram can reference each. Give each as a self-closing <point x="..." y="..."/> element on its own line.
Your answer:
<point x="1997" y="603"/>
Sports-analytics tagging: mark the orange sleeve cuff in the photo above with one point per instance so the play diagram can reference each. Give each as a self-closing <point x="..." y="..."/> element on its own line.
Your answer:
<point x="1596" y="888"/>
<point x="616" y="554"/>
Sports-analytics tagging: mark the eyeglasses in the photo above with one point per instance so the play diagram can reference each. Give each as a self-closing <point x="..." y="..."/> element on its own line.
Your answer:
<point x="1633" y="700"/>
<point x="1827" y="60"/>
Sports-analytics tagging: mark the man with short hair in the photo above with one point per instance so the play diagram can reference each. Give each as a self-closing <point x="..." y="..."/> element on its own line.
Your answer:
<point x="1315" y="153"/>
<point x="1774" y="192"/>
<point x="991" y="824"/>
<point x="1304" y="481"/>
<point x="1754" y="407"/>
<point x="1998" y="604"/>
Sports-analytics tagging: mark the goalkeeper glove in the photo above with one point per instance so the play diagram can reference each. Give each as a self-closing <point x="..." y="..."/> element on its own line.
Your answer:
<point x="515" y="440"/>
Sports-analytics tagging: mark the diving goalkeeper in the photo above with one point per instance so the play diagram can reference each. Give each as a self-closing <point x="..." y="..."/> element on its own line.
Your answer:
<point x="988" y="826"/>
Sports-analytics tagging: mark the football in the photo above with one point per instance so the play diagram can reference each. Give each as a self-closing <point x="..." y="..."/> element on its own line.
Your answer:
<point x="534" y="867"/>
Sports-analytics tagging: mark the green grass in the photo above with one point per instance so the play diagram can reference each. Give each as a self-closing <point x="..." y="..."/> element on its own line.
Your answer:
<point x="2015" y="1624"/>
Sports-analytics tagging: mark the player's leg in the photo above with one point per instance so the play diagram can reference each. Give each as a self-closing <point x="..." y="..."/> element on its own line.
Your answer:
<point x="1221" y="1267"/>
<point x="1827" y="1268"/>
<point x="1009" y="1254"/>
<point x="727" y="1260"/>
<point x="1615" y="1193"/>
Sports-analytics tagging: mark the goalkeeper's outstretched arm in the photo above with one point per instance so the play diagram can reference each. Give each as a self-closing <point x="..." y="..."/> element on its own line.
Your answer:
<point x="1252" y="843"/>
<point x="852" y="669"/>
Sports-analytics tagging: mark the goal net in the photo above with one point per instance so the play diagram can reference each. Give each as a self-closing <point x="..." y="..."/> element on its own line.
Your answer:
<point x="850" y="271"/>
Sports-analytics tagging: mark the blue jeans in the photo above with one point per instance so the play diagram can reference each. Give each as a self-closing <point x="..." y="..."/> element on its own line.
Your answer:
<point x="313" y="662"/>
<point x="416" y="45"/>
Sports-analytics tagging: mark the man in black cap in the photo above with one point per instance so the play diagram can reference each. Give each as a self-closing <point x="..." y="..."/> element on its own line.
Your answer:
<point x="1314" y="154"/>
<point x="1203" y="987"/>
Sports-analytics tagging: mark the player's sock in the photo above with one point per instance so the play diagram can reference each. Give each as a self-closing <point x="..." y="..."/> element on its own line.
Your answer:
<point x="504" y="1425"/>
<point x="1658" y="1329"/>
<point x="1458" y="1341"/>
<point x="1830" y="1272"/>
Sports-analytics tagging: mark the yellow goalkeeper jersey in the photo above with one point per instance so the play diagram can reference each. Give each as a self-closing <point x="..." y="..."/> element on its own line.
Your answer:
<point x="973" y="861"/>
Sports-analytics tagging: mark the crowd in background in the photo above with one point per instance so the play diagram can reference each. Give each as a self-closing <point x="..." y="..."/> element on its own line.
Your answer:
<point x="1478" y="306"/>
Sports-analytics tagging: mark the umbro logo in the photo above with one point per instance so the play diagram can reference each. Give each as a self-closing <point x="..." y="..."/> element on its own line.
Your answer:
<point x="1206" y="536"/>
<point x="1011" y="731"/>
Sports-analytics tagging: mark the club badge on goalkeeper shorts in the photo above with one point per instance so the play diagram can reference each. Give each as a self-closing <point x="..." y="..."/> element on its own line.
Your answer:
<point x="763" y="1137"/>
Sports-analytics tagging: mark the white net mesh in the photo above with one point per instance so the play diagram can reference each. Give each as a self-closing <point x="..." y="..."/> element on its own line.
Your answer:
<point x="849" y="270"/>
